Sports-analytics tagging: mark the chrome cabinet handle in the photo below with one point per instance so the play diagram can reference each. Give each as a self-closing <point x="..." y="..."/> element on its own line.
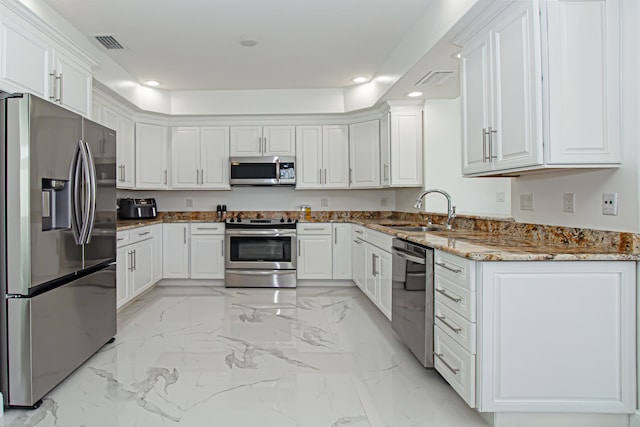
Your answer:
<point x="299" y="247"/>
<point x="124" y="173"/>
<point x="491" y="132"/>
<point x="350" y="176"/>
<point x="165" y="177"/>
<point x="358" y="242"/>
<point x="386" y="172"/>
<point x="448" y="325"/>
<point x="444" y="362"/>
<point x="222" y="249"/>
<point x="59" y="77"/>
<point x="52" y="86"/>
<point x="359" y="231"/>
<point x="313" y="228"/>
<point x="264" y="142"/>
<point x="335" y="236"/>
<point x="444" y="293"/>
<point x="374" y="271"/>
<point x="135" y="260"/>
<point x="484" y="145"/>
<point x="130" y="260"/>
<point x="185" y="235"/>
<point x="325" y="176"/>
<point x="202" y="176"/>
<point x="445" y="266"/>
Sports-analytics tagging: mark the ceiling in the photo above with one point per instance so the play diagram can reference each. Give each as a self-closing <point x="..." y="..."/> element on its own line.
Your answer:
<point x="195" y="44"/>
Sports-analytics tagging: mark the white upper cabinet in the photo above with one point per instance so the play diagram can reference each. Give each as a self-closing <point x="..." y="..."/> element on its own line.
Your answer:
<point x="401" y="146"/>
<point x="322" y="156"/>
<point x="199" y="157"/>
<point x="263" y="141"/>
<point x="152" y="152"/>
<point x="540" y="88"/>
<point x="364" y="154"/>
<point x="125" y="144"/>
<point x="32" y="62"/>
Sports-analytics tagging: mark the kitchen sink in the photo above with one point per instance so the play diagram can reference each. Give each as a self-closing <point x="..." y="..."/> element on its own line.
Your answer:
<point x="418" y="228"/>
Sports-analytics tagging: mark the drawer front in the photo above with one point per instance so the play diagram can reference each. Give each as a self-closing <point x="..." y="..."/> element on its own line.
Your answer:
<point x="457" y="298"/>
<point x="456" y="365"/>
<point x="314" y="228"/>
<point x="456" y="326"/>
<point x="207" y="228"/>
<point x="460" y="271"/>
<point x="122" y="238"/>
<point x="140" y="234"/>
<point x="358" y="232"/>
<point x="381" y="240"/>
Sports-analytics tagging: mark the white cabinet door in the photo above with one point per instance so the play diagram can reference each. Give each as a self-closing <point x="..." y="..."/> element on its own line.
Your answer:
<point x="185" y="157"/>
<point x="406" y="148"/>
<point x="385" y="150"/>
<point x="74" y="83"/>
<point x="309" y="157"/>
<point x="152" y="164"/>
<point x="156" y="230"/>
<point x="364" y="154"/>
<point x="475" y="80"/>
<point x="279" y="140"/>
<point x="175" y="251"/>
<point x="383" y="274"/>
<point x="342" y="252"/>
<point x="314" y="257"/>
<point x="335" y="156"/>
<point x="580" y="315"/>
<point x="25" y="61"/>
<point x="370" y="269"/>
<point x="207" y="256"/>
<point x="214" y="157"/>
<point x="123" y="260"/>
<point x="125" y="153"/>
<point x="246" y="141"/>
<point x="142" y="267"/>
<point x="357" y="265"/>
<point x="517" y="89"/>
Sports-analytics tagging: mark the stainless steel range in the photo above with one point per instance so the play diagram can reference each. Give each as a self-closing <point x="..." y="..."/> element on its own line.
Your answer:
<point x="260" y="253"/>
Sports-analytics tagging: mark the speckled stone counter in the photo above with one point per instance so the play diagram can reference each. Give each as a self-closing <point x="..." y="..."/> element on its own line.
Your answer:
<point x="473" y="237"/>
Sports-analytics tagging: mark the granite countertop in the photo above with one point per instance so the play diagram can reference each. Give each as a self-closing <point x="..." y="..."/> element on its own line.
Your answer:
<point x="480" y="239"/>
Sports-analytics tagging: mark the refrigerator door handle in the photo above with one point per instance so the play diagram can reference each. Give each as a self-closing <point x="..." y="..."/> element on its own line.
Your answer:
<point x="86" y="175"/>
<point x="76" y="214"/>
<point x="92" y="184"/>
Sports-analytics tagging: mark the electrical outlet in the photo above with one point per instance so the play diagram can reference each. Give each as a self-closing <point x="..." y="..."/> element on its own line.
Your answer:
<point x="324" y="202"/>
<point x="384" y="201"/>
<point x="189" y="203"/>
<point x="609" y="203"/>
<point x="569" y="203"/>
<point x="500" y="197"/>
<point x="526" y="202"/>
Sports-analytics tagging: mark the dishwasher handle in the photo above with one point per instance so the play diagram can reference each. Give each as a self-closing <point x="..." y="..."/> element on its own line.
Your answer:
<point x="408" y="256"/>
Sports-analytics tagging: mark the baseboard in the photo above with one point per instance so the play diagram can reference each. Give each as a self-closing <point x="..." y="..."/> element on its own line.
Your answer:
<point x="635" y="419"/>
<point x="192" y="282"/>
<point x="521" y="419"/>
<point x="302" y="283"/>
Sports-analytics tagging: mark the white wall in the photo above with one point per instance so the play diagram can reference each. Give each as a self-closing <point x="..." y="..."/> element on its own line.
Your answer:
<point x="443" y="168"/>
<point x="269" y="199"/>
<point x="588" y="187"/>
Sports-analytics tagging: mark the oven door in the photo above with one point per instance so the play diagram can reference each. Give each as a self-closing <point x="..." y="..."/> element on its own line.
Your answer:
<point x="262" y="249"/>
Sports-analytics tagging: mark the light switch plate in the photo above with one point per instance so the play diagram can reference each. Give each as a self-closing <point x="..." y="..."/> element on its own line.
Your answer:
<point x="569" y="203"/>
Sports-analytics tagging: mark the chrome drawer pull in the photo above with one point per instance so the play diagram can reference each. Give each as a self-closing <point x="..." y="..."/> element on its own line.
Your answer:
<point x="358" y="242"/>
<point x="443" y="265"/>
<point x="359" y="231"/>
<point x="144" y="234"/>
<point x="314" y="229"/>
<point x="444" y="362"/>
<point x="448" y="325"/>
<point x="444" y="293"/>
<point x="120" y="238"/>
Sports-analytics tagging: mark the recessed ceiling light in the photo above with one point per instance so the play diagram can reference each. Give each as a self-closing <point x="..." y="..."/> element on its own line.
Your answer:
<point x="153" y="83"/>
<point x="360" y="79"/>
<point x="413" y="94"/>
<point x="249" y="42"/>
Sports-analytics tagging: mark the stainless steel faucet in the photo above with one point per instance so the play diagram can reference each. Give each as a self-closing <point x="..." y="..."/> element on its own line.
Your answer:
<point x="451" y="210"/>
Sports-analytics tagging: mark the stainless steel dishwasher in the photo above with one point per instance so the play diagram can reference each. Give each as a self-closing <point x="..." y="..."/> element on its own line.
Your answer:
<point x="412" y="298"/>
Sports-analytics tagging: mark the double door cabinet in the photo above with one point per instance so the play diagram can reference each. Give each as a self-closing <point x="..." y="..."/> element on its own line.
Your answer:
<point x="193" y="250"/>
<point x="256" y="141"/>
<point x="322" y="156"/>
<point x="540" y="88"/>
<point x="324" y="251"/>
<point x="537" y="336"/>
<point x="200" y="157"/>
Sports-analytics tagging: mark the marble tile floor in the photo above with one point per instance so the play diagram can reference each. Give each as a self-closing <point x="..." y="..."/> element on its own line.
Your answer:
<point x="251" y="357"/>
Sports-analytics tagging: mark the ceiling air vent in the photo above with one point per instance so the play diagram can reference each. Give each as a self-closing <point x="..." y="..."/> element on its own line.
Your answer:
<point x="109" y="42"/>
<point x="434" y="78"/>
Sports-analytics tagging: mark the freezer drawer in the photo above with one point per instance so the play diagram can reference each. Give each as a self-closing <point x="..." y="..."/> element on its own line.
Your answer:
<point x="53" y="333"/>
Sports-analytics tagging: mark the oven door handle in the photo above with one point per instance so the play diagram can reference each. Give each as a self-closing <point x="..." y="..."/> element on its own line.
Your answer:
<point x="260" y="272"/>
<point x="408" y="256"/>
<point x="269" y="232"/>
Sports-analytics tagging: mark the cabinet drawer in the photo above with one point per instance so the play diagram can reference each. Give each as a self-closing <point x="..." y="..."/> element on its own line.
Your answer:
<point x="122" y="238"/>
<point x="457" y="298"/>
<point x="140" y="234"/>
<point x="460" y="271"/>
<point x="381" y="240"/>
<point x="456" y="365"/>
<point x="314" y="228"/>
<point x="358" y="232"/>
<point x="207" y="228"/>
<point x="456" y="326"/>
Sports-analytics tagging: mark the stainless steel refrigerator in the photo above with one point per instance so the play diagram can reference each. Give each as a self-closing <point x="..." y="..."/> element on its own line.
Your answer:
<point x="58" y="253"/>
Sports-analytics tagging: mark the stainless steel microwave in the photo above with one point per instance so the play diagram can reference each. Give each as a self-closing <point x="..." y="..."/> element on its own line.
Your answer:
<point x="278" y="170"/>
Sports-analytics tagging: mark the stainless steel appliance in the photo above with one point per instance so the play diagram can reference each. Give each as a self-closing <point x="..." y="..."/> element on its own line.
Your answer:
<point x="262" y="170"/>
<point x="137" y="208"/>
<point x="260" y="253"/>
<point x="412" y="298"/>
<point x="58" y="252"/>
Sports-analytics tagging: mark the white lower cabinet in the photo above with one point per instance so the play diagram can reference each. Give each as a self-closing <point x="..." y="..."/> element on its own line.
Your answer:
<point x="537" y="336"/>
<point x="357" y="256"/>
<point x="341" y="252"/>
<point x="207" y="251"/>
<point x="314" y="251"/>
<point x="137" y="259"/>
<point x="371" y="266"/>
<point x="175" y="250"/>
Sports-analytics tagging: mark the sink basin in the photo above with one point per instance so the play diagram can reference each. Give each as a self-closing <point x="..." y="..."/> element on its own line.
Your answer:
<point x="418" y="228"/>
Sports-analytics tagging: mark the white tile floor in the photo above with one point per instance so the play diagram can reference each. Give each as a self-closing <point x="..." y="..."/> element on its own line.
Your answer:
<point x="252" y="357"/>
